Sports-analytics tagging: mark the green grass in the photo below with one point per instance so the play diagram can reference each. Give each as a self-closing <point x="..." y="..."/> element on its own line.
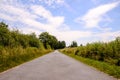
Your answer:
<point x="12" y="57"/>
<point x="102" y="66"/>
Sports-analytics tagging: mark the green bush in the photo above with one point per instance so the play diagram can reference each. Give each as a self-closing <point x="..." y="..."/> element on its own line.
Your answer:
<point x="107" y="52"/>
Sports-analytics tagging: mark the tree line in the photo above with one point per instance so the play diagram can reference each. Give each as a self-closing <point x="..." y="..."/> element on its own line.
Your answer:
<point x="51" y="41"/>
<point x="17" y="48"/>
<point x="15" y="38"/>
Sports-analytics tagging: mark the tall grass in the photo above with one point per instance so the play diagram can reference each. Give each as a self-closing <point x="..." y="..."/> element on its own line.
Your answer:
<point x="112" y="70"/>
<point x="107" y="52"/>
<point x="15" y="56"/>
<point x="16" y="47"/>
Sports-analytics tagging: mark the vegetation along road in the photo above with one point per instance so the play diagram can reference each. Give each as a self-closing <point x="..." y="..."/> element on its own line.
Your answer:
<point x="54" y="66"/>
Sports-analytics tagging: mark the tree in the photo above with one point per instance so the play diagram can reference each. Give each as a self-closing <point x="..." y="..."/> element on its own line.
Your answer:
<point x="2" y="24"/>
<point x="4" y="34"/>
<point x="15" y="38"/>
<point x="73" y="44"/>
<point x="53" y="42"/>
<point x="44" y="38"/>
<point x="33" y="40"/>
<point x="48" y="39"/>
<point x="61" y="44"/>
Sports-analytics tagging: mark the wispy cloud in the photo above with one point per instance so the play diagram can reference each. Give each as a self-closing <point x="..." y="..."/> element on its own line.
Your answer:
<point x="57" y="4"/>
<point x="36" y="18"/>
<point x="30" y="17"/>
<point x="71" y="35"/>
<point x="107" y="36"/>
<point x="96" y="15"/>
<point x="54" y="21"/>
<point x="3" y="16"/>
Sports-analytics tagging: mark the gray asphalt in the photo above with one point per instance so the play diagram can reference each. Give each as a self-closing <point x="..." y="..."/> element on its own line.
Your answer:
<point x="54" y="66"/>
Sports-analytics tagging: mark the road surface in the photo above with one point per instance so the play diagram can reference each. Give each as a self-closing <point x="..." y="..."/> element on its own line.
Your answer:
<point x="54" y="66"/>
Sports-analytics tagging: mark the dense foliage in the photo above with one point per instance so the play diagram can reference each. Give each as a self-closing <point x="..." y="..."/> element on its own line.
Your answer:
<point x="15" y="38"/>
<point x="50" y="40"/>
<point x="107" y="52"/>
<point x="17" y="48"/>
<point x="73" y="44"/>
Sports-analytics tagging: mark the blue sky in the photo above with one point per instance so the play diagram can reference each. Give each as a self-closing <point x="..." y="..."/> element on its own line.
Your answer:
<point x="80" y="20"/>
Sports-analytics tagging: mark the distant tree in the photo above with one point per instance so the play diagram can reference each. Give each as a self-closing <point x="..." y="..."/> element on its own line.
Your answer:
<point x="48" y="39"/>
<point x="73" y="44"/>
<point x="44" y="38"/>
<point x="81" y="45"/>
<point x="4" y="25"/>
<point x="61" y="44"/>
<point x="53" y="42"/>
<point x="4" y="34"/>
<point x="34" y="41"/>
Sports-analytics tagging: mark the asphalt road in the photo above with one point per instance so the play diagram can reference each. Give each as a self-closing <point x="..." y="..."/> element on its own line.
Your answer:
<point x="54" y="66"/>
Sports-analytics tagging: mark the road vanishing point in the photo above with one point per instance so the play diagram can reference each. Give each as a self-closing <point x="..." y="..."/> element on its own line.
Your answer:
<point x="54" y="66"/>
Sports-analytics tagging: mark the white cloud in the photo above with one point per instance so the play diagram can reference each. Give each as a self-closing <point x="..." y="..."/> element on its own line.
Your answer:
<point x="16" y="12"/>
<point x="95" y="37"/>
<point x="53" y="21"/>
<point x="57" y="4"/>
<point x="107" y="36"/>
<point x="96" y="15"/>
<point x="73" y="35"/>
<point x="93" y="18"/>
<point x="4" y="16"/>
<point x="32" y="18"/>
<point x="27" y="30"/>
<point x="41" y="11"/>
<point x="38" y="19"/>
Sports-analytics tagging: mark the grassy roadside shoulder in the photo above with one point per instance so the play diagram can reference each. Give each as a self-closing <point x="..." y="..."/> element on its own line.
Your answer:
<point x="112" y="70"/>
<point x="12" y="57"/>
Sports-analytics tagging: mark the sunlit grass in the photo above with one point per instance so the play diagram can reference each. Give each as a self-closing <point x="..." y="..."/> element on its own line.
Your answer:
<point x="13" y="57"/>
